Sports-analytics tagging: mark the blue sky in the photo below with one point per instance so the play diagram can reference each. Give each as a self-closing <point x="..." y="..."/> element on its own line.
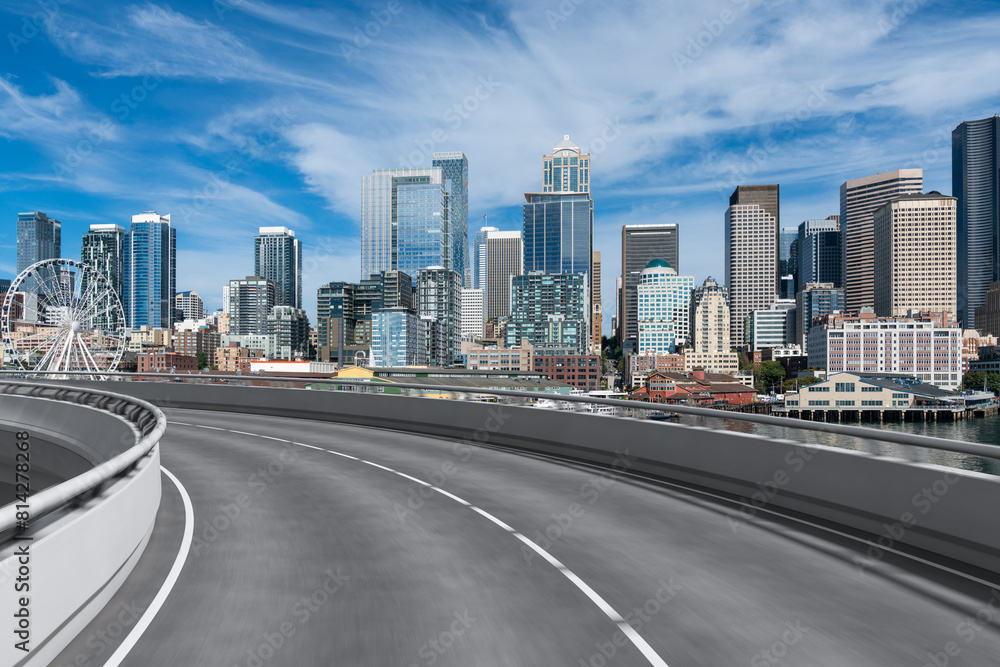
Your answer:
<point x="239" y="114"/>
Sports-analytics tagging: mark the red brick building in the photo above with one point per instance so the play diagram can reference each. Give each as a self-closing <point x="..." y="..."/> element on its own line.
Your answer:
<point x="582" y="371"/>
<point x="164" y="362"/>
<point x="695" y="387"/>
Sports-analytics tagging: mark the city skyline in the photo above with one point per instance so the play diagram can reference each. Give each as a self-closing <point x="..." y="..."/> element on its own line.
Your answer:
<point x="656" y="156"/>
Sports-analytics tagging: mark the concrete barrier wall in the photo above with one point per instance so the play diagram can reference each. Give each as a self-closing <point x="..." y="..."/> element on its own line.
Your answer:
<point x="942" y="510"/>
<point x="77" y="559"/>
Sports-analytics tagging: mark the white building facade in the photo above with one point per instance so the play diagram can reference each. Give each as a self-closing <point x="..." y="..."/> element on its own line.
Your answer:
<point x="663" y="308"/>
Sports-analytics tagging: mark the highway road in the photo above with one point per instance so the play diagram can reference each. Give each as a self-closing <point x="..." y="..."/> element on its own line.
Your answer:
<point x="303" y="556"/>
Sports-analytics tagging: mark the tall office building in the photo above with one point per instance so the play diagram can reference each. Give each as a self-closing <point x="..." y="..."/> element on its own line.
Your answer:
<point x="566" y="169"/>
<point x="774" y="326"/>
<point x="455" y="167"/>
<point x="751" y="253"/>
<point x="818" y="251"/>
<point x="815" y="300"/>
<point x="596" y="311"/>
<point x="915" y="255"/>
<point x="38" y="237"/>
<point x="439" y="297"/>
<point x="503" y="259"/>
<point x="975" y="174"/>
<point x="188" y="306"/>
<point x="640" y="245"/>
<point x="250" y="302"/>
<point x="787" y="237"/>
<point x="858" y="200"/>
<point x="150" y="268"/>
<point x="277" y="256"/>
<point x="709" y="339"/>
<point x="663" y="301"/>
<point x="423" y="206"/>
<point x="103" y="250"/>
<point x="479" y="257"/>
<point x="558" y="233"/>
<point x="397" y="339"/>
<point x="422" y="229"/>
<point x="473" y="313"/>
<point x="551" y="309"/>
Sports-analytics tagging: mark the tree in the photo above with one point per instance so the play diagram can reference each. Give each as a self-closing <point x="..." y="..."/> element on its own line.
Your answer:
<point x="976" y="379"/>
<point x="792" y="383"/>
<point x="202" y="360"/>
<point x="768" y="375"/>
<point x="745" y="363"/>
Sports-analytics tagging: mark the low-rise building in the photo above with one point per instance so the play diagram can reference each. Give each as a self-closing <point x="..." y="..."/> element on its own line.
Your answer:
<point x="146" y="337"/>
<point x="499" y="358"/>
<point x="582" y="371"/>
<point x="712" y="361"/>
<point x="192" y="341"/>
<point x="872" y="392"/>
<point x="233" y="358"/>
<point x="972" y="340"/>
<point x="696" y="387"/>
<point x="638" y="366"/>
<point x="165" y="362"/>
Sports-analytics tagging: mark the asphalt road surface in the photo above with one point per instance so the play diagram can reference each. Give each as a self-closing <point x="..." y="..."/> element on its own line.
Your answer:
<point x="304" y="557"/>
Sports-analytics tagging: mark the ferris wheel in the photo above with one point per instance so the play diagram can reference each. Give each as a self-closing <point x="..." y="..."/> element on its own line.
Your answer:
<point x="63" y="315"/>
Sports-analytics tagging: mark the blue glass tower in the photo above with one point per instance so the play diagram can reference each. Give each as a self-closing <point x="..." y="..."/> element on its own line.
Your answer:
<point x="558" y="233"/>
<point x="150" y="271"/>
<point x="456" y="169"/>
<point x="422" y="238"/>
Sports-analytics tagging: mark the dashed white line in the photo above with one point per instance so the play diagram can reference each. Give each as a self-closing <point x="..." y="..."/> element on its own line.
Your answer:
<point x="168" y="584"/>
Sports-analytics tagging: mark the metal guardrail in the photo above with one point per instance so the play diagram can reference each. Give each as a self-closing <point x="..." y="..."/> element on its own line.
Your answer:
<point x="146" y="419"/>
<point x="927" y="442"/>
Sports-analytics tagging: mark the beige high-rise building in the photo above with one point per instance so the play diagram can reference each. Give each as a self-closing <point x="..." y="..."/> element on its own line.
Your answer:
<point x="504" y="257"/>
<point x="859" y="198"/>
<point x="710" y="330"/>
<point x="595" y="301"/>
<point x="916" y="259"/>
<point x="751" y="237"/>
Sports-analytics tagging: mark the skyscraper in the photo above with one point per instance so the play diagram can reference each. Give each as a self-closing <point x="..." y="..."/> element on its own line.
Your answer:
<point x="439" y="296"/>
<point x="503" y="259"/>
<point x="278" y="256"/>
<point x="663" y="302"/>
<point x="379" y="221"/>
<point x="787" y="237"/>
<point x="456" y="169"/>
<point x="815" y="300"/>
<point x="250" y="302"/>
<point x="479" y="257"/>
<point x="397" y="339"/>
<point x="596" y="311"/>
<point x="818" y="252"/>
<point x="549" y="309"/>
<point x="289" y="327"/>
<point x="103" y="249"/>
<point x="150" y="268"/>
<point x="566" y="169"/>
<point x="858" y="200"/>
<point x="38" y="237"/>
<point x="710" y="330"/>
<point x="558" y="233"/>
<point x="640" y="245"/>
<point x="751" y="254"/>
<point x="915" y="255"/>
<point x="975" y="174"/>
<point x="473" y="313"/>
<point x="422" y="228"/>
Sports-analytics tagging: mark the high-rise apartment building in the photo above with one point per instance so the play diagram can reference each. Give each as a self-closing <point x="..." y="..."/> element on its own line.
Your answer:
<point x="473" y="313"/>
<point x="503" y="259"/>
<point x="455" y="167"/>
<point x="975" y="174"/>
<point x="103" y="250"/>
<point x="38" y="237"/>
<point x="596" y="311"/>
<point x="548" y="308"/>
<point x="751" y="254"/>
<point x="640" y="245"/>
<point x="818" y="251"/>
<point x="859" y="198"/>
<point x="566" y="169"/>
<point x="815" y="300"/>
<point x="150" y="268"/>
<point x="188" y="306"/>
<point x="277" y="256"/>
<point x="915" y="255"/>
<point x="250" y="302"/>
<point x="289" y="327"/>
<point x="397" y="339"/>
<point x="663" y="307"/>
<point x="439" y="297"/>
<point x="479" y="257"/>
<point x="709" y="338"/>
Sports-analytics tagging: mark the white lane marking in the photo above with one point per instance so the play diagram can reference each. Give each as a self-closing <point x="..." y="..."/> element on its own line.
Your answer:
<point x="168" y="584"/>
<point x="302" y="444"/>
<point x="346" y="456"/>
<point x="413" y="479"/>
<point x="636" y="639"/>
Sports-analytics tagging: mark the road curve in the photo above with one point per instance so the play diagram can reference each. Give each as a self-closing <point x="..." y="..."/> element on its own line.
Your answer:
<point x="303" y="557"/>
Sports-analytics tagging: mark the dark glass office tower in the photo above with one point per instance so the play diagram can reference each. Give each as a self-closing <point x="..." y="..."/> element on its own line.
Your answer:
<point x="975" y="177"/>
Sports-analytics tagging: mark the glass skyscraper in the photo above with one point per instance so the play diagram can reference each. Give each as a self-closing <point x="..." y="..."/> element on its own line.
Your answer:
<point x="150" y="271"/>
<point x="422" y="231"/>
<point x="278" y="256"/>
<point x="103" y="249"/>
<point x="38" y="237"/>
<point x="975" y="174"/>
<point x="558" y="233"/>
<point x="456" y="169"/>
<point x="819" y="252"/>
